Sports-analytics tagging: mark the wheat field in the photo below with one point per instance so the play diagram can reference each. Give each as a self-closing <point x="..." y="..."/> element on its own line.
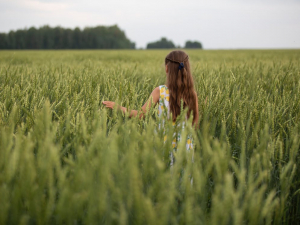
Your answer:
<point x="65" y="159"/>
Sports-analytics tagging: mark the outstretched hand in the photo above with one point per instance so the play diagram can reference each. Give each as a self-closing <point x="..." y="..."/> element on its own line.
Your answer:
<point x="109" y="104"/>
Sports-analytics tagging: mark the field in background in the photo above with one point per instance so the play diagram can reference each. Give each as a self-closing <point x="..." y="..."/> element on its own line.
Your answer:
<point x="64" y="159"/>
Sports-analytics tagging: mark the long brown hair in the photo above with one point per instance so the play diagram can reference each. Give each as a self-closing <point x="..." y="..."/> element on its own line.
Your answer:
<point x="180" y="83"/>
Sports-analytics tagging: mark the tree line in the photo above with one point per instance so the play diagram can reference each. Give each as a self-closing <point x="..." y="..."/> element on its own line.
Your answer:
<point x="164" y="43"/>
<point x="100" y="37"/>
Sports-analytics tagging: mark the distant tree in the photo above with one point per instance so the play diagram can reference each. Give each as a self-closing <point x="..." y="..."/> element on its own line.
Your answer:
<point x="67" y="40"/>
<point x="11" y="43"/>
<point x="45" y="37"/>
<point x="32" y="38"/>
<point x="193" y="44"/>
<point x="76" y="37"/>
<point x="3" y="41"/>
<point x="132" y="45"/>
<point x="20" y="39"/>
<point x="162" y="43"/>
<point x="58" y="38"/>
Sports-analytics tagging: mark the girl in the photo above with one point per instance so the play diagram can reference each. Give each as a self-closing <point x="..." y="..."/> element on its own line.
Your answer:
<point x="179" y="89"/>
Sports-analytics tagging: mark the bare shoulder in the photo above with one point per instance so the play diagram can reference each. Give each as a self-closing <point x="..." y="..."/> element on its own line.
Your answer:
<point x="156" y="90"/>
<point x="155" y="94"/>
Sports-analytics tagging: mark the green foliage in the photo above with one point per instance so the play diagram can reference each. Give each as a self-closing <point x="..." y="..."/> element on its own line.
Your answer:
<point x="162" y="43"/>
<point x="193" y="44"/>
<point x="65" y="159"/>
<point x="45" y="37"/>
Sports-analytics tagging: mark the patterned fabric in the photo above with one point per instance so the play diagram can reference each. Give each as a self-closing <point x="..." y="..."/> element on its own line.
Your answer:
<point x="163" y="112"/>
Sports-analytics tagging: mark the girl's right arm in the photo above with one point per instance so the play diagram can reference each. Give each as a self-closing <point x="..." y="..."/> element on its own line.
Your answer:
<point x="153" y="99"/>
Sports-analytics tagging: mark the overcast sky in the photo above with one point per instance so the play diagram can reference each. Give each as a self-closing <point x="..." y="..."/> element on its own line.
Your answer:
<point x="217" y="24"/>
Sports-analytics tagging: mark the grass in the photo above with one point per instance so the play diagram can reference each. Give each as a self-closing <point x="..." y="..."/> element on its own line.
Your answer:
<point x="64" y="159"/>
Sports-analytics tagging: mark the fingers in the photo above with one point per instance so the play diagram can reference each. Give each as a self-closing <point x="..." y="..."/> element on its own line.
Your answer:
<point x="108" y="104"/>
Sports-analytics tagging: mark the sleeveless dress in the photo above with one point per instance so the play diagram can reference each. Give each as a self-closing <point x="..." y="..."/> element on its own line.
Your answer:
<point x="163" y="107"/>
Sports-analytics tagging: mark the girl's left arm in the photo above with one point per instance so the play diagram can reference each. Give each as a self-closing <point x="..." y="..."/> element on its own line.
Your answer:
<point x="153" y="99"/>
